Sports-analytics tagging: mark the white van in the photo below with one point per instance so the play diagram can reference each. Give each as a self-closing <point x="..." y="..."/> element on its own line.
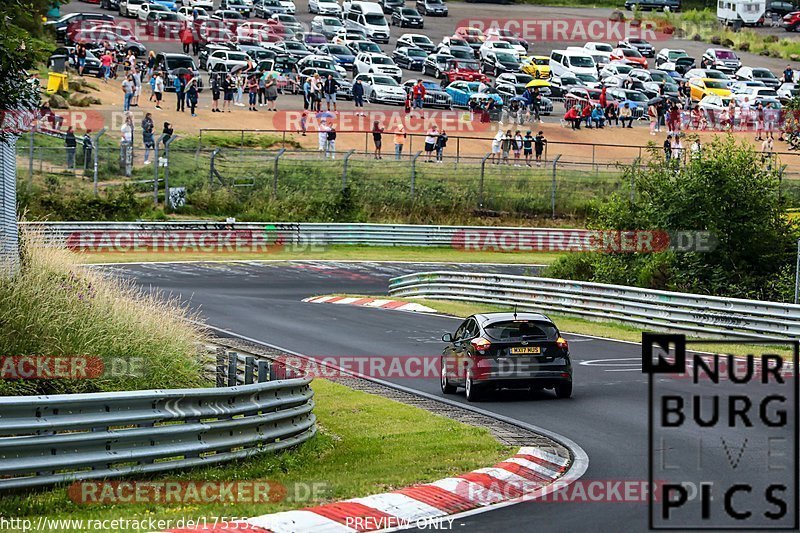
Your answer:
<point x="572" y="62"/>
<point x="368" y="16"/>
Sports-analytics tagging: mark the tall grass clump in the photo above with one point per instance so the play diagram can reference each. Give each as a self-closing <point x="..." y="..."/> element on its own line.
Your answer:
<point x="50" y="306"/>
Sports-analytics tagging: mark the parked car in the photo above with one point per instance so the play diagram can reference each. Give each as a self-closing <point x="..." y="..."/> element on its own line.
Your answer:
<point x="435" y="8"/>
<point x="92" y="67"/>
<point x="345" y="89"/>
<point x="343" y="56"/>
<point x="779" y="9"/>
<point x="537" y="66"/>
<point x="407" y="17"/>
<point x="496" y="46"/>
<point x="147" y="8"/>
<point x="503" y="350"/>
<point x="700" y="87"/>
<point x="721" y="59"/>
<point x="791" y="21"/>
<point x="461" y="92"/>
<point x="629" y="56"/>
<point x="654" y="5"/>
<point x="460" y="69"/>
<point x="410" y="58"/>
<point x="643" y="46"/>
<point x="240" y="6"/>
<point x="787" y="91"/>
<point x="390" y="6"/>
<point x="379" y="88"/>
<point x="370" y="63"/>
<point x="763" y="75"/>
<point x="324" y="7"/>
<point x="499" y="63"/>
<point x="264" y="9"/>
<point x="416" y="40"/>
<point x="130" y="8"/>
<point x="327" y="26"/>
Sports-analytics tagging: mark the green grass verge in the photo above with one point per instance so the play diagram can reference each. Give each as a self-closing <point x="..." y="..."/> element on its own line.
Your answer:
<point x="367" y="444"/>
<point x="571" y="324"/>
<point x="341" y="253"/>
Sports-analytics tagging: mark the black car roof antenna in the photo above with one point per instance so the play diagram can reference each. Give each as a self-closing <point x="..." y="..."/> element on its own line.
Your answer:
<point x="515" y="311"/>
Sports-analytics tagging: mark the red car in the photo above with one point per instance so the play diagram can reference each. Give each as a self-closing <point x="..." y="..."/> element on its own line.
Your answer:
<point x="458" y="70"/>
<point x="791" y="21"/>
<point x="629" y="56"/>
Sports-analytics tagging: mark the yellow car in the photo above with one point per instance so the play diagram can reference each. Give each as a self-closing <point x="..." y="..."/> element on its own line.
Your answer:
<point x="537" y="66"/>
<point x="701" y="87"/>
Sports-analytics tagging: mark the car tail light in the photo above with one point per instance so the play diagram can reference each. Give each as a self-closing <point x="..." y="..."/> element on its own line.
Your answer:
<point x="480" y="344"/>
<point x="562" y="343"/>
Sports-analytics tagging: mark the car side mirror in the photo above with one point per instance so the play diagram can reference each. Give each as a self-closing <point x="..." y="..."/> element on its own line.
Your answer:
<point x="447" y="337"/>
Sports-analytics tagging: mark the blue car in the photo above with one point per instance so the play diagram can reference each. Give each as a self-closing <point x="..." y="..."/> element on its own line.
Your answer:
<point x="460" y="92"/>
<point x="172" y="6"/>
<point x="340" y="53"/>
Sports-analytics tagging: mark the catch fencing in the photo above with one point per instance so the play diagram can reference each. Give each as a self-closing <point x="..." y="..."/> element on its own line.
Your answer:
<point x="693" y="314"/>
<point x="46" y="440"/>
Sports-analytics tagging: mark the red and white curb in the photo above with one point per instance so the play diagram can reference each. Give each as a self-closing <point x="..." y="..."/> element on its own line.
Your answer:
<point x="370" y="302"/>
<point x="526" y="475"/>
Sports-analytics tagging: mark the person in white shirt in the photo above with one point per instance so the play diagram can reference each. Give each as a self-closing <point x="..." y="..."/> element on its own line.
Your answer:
<point x="322" y="135"/>
<point x="498" y="139"/>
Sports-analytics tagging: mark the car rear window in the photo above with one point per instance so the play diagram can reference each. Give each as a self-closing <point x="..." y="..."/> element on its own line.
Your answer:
<point x="521" y="329"/>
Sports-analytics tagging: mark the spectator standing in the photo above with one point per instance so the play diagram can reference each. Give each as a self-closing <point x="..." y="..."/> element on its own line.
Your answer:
<point x="238" y="96"/>
<point x="358" y="96"/>
<point x="329" y="88"/>
<point x="70" y="143"/>
<point x="418" y="92"/>
<point x="539" y="142"/>
<point x="158" y="89"/>
<point x="167" y="132"/>
<point x="316" y="93"/>
<point x="677" y="148"/>
<point x="192" y="95"/>
<point x="262" y="90"/>
<point x="759" y="121"/>
<point x="330" y="146"/>
<point x="180" y="95"/>
<point x="80" y="53"/>
<point x="399" y="141"/>
<point x="87" y="148"/>
<point x="252" y="92"/>
<point x="668" y="147"/>
<point x="430" y="142"/>
<point x="496" y="145"/>
<point x="303" y="123"/>
<point x="377" y="138"/>
<point x="696" y="149"/>
<point x="527" y="147"/>
<point x="228" y="88"/>
<point x="127" y="93"/>
<point x="126" y="145"/>
<point x="106" y="60"/>
<point x="322" y="135"/>
<point x="137" y="87"/>
<point x="788" y="74"/>
<point x="441" y="144"/>
<point x="215" y="93"/>
<point x="186" y="38"/>
<point x="271" y="90"/>
<point x="147" y="136"/>
<point x="505" y="145"/>
<point x="626" y="113"/>
<point x="517" y="147"/>
<point x="151" y="64"/>
<point x="652" y="115"/>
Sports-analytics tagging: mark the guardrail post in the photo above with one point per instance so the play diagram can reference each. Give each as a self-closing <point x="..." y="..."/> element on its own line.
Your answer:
<point x="232" y="360"/>
<point x="155" y="169"/>
<point x="275" y="172"/>
<point x="344" y="168"/>
<point x="166" y="173"/>
<point x="31" y="150"/>
<point x="458" y="149"/>
<point x="249" y="363"/>
<point x="211" y="169"/>
<point x="480" y="184"/>
<point x="414" y="172"/>
<point x="219" y="373"/>
<point x="553" y="190"/>
<point x="96" y="156"/>
<point x="263" y="371"/>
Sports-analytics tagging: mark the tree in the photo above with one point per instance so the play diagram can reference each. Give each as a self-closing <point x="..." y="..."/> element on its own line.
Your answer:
<point x="20" y="47"/>
<point x="732" y="192"/>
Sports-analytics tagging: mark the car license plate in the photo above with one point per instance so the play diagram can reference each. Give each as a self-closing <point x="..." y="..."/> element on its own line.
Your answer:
<point x="526" y="350"/>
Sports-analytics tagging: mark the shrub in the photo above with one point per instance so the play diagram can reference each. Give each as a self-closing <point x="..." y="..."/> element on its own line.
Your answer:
<point x="54" y="307"/>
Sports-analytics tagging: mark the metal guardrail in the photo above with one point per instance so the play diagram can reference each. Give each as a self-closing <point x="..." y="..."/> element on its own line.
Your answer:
<point x="689" y="313"/>
<point x="66" y="437"/>
<point x="82" y="235"/>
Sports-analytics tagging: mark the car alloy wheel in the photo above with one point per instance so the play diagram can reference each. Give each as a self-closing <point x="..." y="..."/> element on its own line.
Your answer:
<point x="471" y="390"/>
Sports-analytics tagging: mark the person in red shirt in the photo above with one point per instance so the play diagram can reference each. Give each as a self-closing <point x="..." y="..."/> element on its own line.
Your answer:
<point x="573" y="116"/>
<point x="603" y="99"/>
<point x="186" y="39"/>
<point x="418" y="92"/>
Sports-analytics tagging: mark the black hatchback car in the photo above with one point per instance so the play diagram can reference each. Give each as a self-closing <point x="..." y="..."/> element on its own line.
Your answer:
<point x="506" y="350"/>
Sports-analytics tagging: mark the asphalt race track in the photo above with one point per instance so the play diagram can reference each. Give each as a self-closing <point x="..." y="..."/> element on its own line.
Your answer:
<point x="607" y="416"/>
